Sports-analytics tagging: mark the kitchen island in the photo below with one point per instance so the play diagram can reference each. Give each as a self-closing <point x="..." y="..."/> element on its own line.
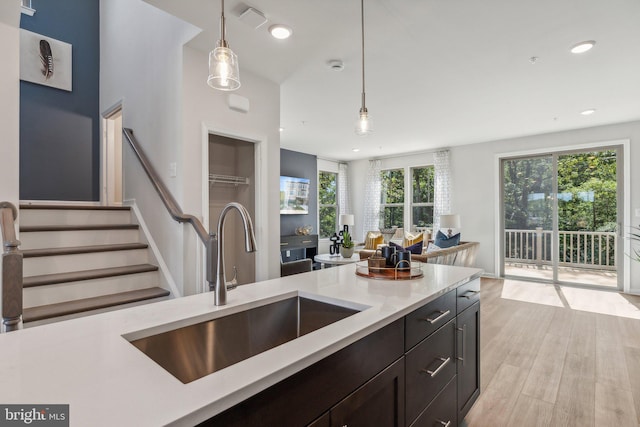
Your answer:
<point x="90" y="365"/>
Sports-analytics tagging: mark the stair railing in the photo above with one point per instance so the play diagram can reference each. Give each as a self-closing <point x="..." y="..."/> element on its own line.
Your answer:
<point x="11" y="283"/>
<point x="208" y="239"/>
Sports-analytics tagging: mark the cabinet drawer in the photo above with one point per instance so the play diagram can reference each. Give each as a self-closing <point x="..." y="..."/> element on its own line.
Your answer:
<point x="442" y="411"/>
<point x="429" y="367"/>
<point x="422" y="322"/>
<point x="292" y="242"/>
<point x="467" y="294"/>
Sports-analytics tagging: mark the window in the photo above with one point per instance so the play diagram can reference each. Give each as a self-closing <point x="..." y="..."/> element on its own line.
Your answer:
<point x="327" y="203"/>
<point x="423" y="193"/>
<point x="392" y="198"/>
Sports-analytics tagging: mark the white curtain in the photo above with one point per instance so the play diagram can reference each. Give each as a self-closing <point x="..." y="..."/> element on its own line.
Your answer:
<point x="371" y="219"/>
<point x="344" y="198"/>
<point x="442" y="197"/>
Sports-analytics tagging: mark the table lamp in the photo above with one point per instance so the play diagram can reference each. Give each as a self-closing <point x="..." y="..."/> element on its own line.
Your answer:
<point x="449" y="222"/>
<point x="346" y="220"/>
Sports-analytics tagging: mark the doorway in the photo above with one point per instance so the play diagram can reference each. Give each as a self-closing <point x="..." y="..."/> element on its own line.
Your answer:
<point x="562" y="217"/>
<point x="111" y="177"/>
<point x="232" y="179"/>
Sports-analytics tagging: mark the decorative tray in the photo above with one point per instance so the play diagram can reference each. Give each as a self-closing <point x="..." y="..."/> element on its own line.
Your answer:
<point x="399" y="272"/>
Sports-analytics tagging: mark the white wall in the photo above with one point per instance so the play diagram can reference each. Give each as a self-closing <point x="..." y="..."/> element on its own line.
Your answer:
<point x="141" y="66"/>
<point x="206" y="109"/>
<point x="474" y="181"/>
<point x="10" y="100"/>
<point x="9" y="103"/>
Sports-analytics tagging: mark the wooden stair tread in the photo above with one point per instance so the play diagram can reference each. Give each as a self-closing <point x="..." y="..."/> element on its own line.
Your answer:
<point x="83" y="305"/>
<point x="28" y="228"/>
<point x="76" y="276"/>
<point x="32" y="253"/>
<point x="76" y="207"/>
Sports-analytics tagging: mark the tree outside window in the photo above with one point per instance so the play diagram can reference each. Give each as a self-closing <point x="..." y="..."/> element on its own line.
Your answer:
<point x="422" y="180"/>
<point x="392" y="198"/>
<point x="327" y="203"/>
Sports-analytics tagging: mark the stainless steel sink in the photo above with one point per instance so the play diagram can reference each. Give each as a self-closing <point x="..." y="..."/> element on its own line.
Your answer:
<point x="194" y="351"/>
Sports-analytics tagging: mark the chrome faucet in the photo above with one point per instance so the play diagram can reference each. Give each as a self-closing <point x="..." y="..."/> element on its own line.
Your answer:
<point x="220" y="289"/>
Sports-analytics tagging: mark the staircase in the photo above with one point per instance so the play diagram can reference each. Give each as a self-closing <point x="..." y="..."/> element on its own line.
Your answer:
<point x="81" y="260"/>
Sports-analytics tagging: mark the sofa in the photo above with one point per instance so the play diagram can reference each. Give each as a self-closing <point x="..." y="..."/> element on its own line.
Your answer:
<point x="463" y="255"/>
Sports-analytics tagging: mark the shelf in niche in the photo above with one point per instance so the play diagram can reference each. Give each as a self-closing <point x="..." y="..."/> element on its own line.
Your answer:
<point x="228" y="179"/>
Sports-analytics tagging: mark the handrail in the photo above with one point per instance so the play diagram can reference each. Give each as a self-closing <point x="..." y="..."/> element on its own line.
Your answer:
<point x="209" y="239"/>
<point x="11" y="270"/>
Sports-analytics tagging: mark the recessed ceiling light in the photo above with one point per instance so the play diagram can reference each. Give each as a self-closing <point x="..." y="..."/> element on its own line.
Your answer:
<point x="588" y="112"/>
<point x="583" y="47"/>
<point x="281" y="129"/>
<point x="355" y="150"/>
<point x="280" y="31"/>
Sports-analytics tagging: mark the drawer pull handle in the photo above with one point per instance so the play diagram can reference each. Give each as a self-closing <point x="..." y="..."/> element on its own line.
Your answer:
<point x="442" y="314"/>
<point x="284" y="243"/>
<point x="463" y="330"/>
<point x="469" y="294"/>
<point x="307" y="241"/>
<point x="444" y="424"/>
<point x="434" y="372"/>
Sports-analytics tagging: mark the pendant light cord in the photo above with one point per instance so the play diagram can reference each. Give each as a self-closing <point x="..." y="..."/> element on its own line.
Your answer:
<point x="362" y="28"/>
<point x="222" y="42"/>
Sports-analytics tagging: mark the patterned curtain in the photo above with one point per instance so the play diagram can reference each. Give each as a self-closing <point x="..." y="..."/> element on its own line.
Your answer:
<point x="442" y="197"/>
<point x="344" y="198"/>
<point x="371" y="220"/>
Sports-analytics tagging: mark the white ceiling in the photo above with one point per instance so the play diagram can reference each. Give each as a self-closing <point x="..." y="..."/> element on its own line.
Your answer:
<point x="438" y="72"/>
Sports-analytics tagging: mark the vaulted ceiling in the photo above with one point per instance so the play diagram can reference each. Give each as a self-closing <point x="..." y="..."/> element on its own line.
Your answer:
<point x="438" y="72"/>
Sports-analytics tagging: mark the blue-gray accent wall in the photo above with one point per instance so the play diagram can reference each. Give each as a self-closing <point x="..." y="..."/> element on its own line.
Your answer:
<point x="60" y="130"/>
<point x="300" y="165"/>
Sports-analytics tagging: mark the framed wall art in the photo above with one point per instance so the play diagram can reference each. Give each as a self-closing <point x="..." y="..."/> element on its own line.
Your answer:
<point x="45" y="61"/>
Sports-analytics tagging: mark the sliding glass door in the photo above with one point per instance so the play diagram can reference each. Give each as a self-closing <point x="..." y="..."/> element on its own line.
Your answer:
<point x="561" y="217"/>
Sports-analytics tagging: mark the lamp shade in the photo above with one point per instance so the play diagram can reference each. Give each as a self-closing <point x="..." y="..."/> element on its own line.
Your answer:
<point x="450" y="221"/>
<point x="347" y="219"/>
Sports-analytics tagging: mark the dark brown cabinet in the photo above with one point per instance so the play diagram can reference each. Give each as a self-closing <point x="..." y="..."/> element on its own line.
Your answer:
<point x="430" y="367"/>
<point x="421" y="370"/>
<point x="380" y="402"/>
<point x="468" y="329"/>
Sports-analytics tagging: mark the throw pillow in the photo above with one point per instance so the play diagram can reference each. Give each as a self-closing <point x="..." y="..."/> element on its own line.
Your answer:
<point x="399" y="234"/>
<point x="432" y="248"/>
<point x="412" y="239"/>
<point x="443" y="242"/>
<point x="415" y="249"/>
<point x="373" y="239"/>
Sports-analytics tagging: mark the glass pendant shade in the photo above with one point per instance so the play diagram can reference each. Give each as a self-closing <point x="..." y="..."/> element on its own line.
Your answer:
<point x="364" y="125"/>
<point x="223" y="69"/>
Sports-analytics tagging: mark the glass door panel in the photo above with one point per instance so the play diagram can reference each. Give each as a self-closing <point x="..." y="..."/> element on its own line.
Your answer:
<point x="561" y="216"/>
<point x="588" y="217"/>
<point x="527" y="201"/>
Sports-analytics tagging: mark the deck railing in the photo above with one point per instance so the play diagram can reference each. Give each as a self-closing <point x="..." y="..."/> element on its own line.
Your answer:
<point x="582" y="249"/>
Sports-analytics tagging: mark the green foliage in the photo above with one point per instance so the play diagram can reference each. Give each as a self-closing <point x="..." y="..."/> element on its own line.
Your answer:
<point x="423" y="185"/>
<point x="587" y="191"/>
<point x="328" y="188"/>
<point x="347" y="242"/>
<point x="328" y="203"/>
<point x="392" y="192"/>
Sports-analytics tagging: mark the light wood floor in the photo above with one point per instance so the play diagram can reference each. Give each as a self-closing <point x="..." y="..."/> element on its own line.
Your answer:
<point x="550" y="357"/>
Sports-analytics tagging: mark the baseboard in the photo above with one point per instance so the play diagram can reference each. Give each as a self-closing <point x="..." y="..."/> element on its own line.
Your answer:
<point x="60" y="202"/>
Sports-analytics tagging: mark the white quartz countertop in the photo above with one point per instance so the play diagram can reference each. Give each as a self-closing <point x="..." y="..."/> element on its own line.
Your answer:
<point x="88" y="364"/>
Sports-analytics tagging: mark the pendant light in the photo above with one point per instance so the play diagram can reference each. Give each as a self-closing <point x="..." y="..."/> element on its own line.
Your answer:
<point x="223" y="63"/>
<point x="363" y="125"/>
